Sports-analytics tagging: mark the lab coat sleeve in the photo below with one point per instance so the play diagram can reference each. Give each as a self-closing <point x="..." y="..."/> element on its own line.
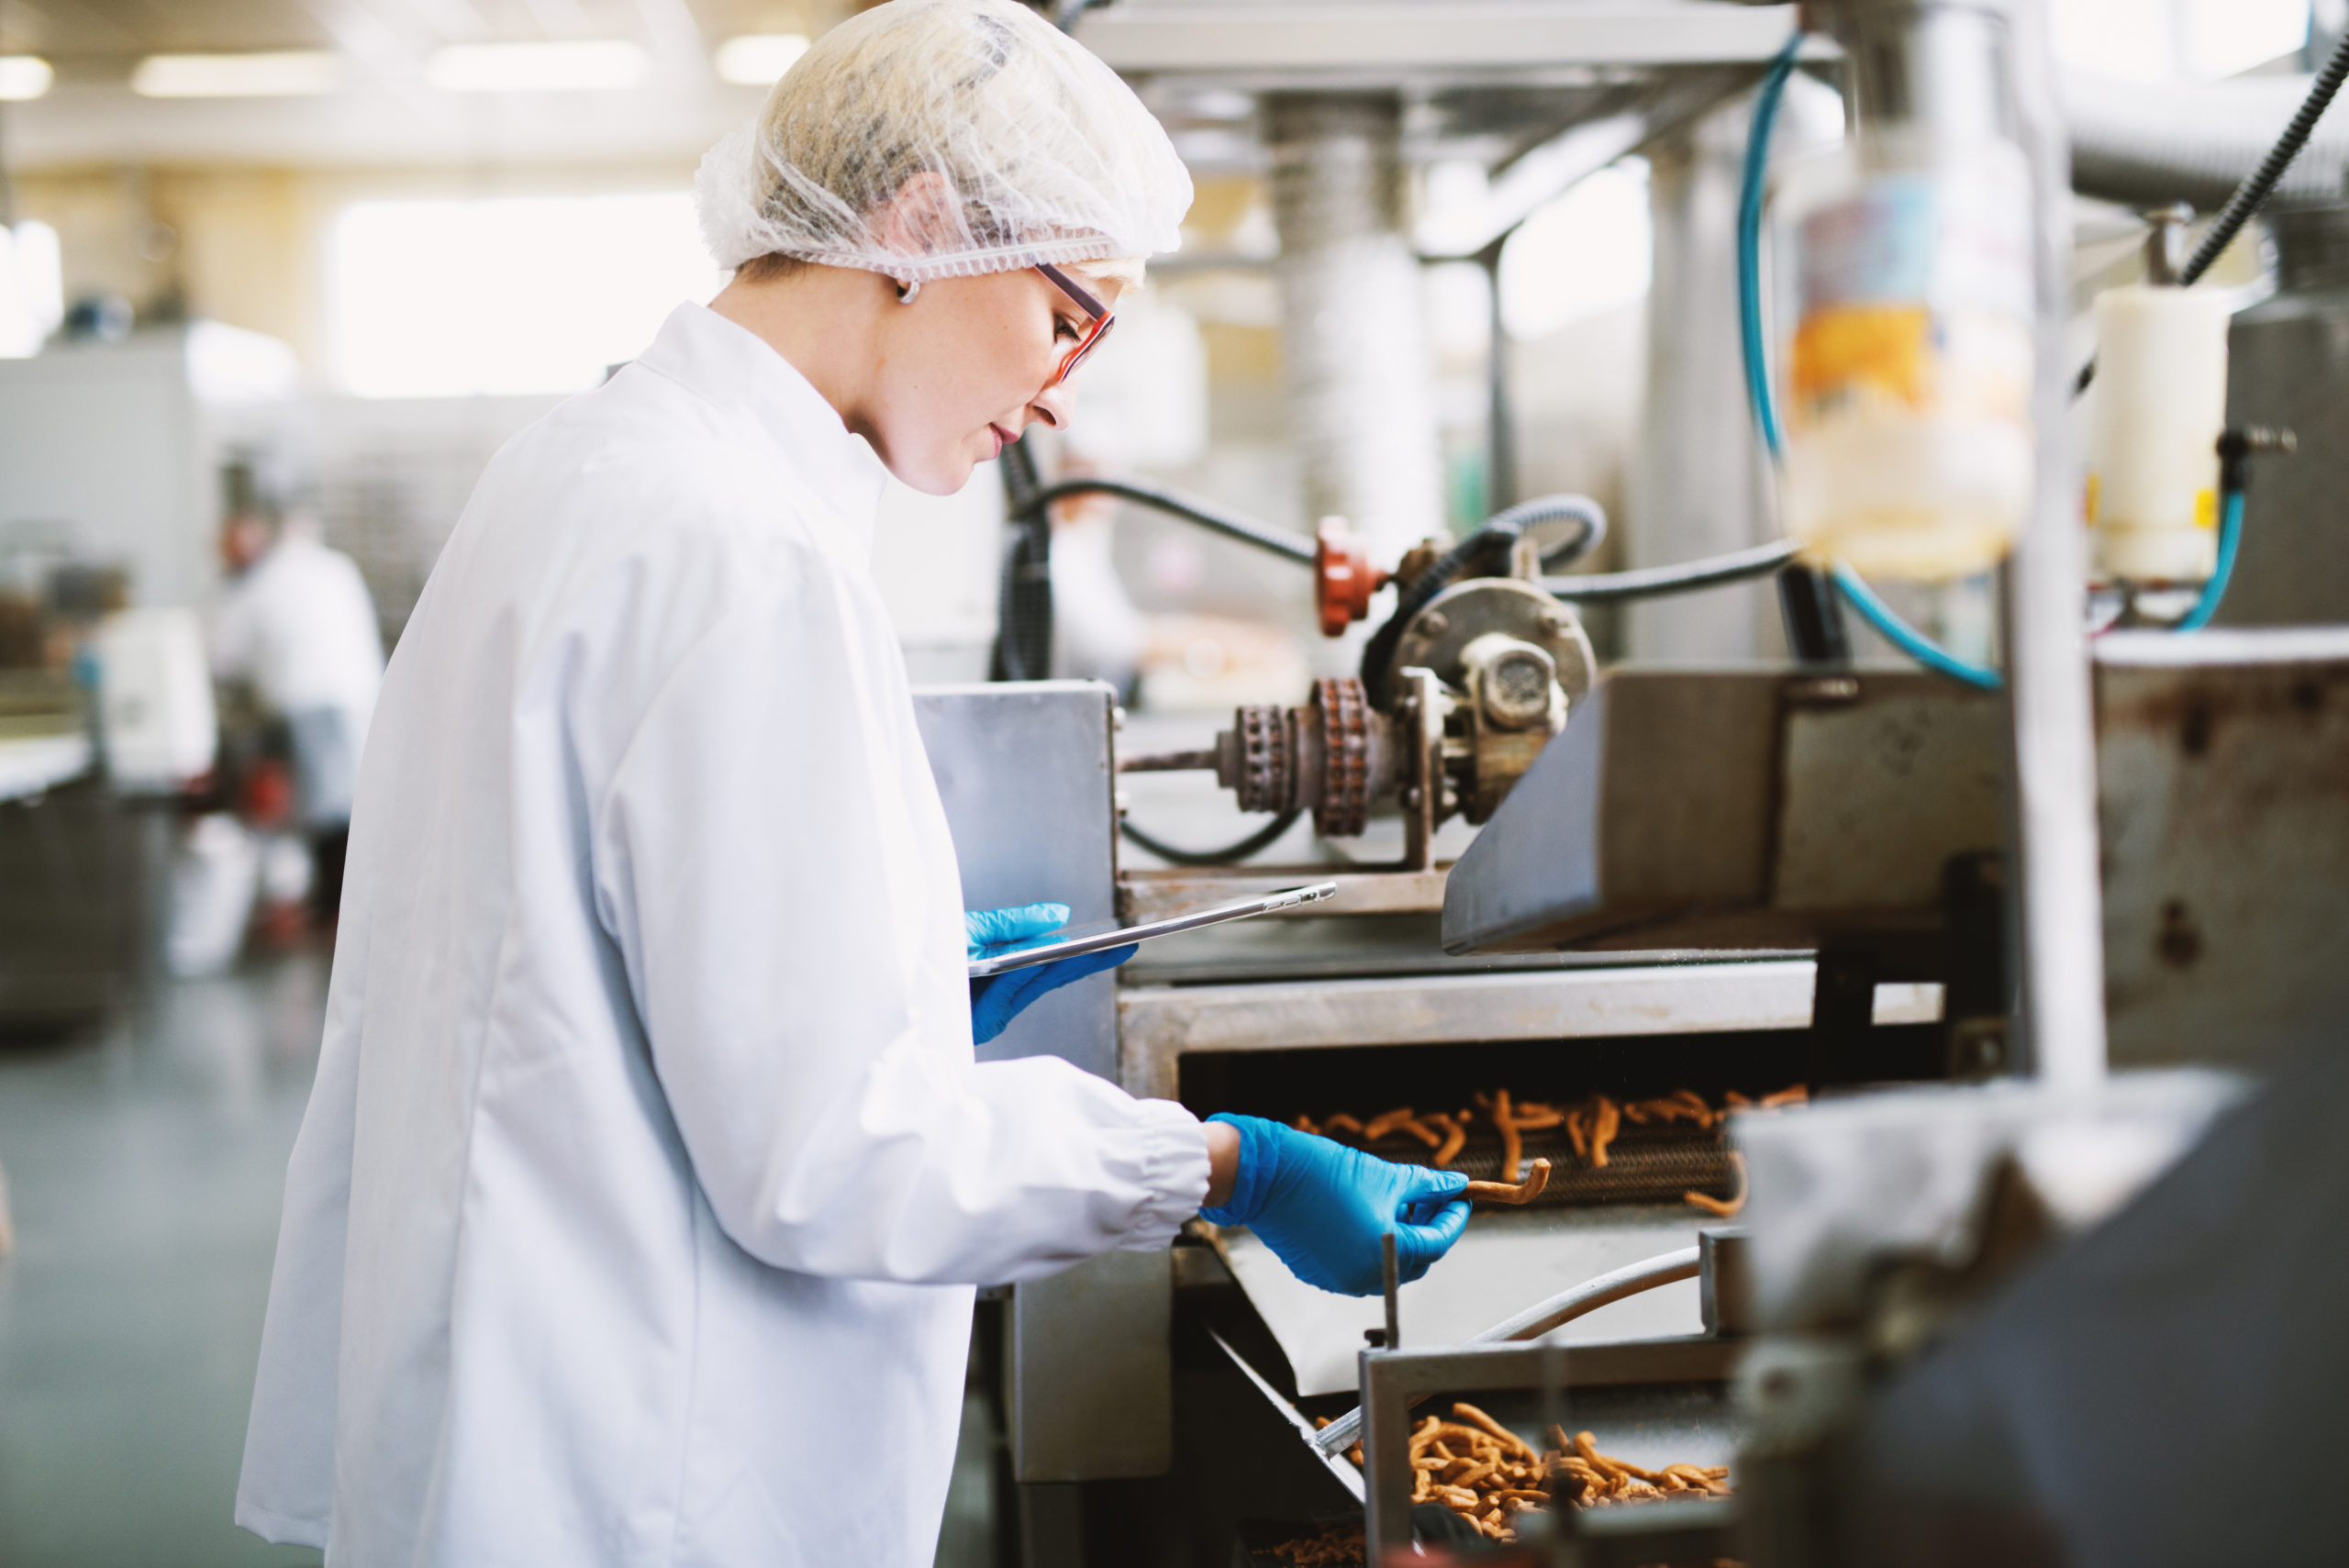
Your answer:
<point x="776" y="926"/>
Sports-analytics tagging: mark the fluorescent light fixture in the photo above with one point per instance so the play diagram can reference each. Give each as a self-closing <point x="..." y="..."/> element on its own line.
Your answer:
<point x="759" y="60"/>
<point x="585" y="65"/>
<point x="24" y="76"/>
<point x="282" y="73"/>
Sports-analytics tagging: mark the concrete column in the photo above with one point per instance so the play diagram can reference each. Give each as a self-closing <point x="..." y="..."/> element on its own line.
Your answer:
<point x="1353" y="338"/>
<point x="1696" y="480"/>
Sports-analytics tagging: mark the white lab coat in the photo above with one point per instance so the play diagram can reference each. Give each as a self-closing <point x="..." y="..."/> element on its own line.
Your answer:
<point x="648" y="1168"/>
<point x="299" y="625"/>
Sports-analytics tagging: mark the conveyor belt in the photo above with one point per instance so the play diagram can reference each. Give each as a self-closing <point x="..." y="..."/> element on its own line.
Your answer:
<point x="1644" y="1164"/>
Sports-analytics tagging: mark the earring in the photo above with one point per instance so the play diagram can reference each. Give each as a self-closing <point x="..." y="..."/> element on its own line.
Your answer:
<point x="906" y="292"/>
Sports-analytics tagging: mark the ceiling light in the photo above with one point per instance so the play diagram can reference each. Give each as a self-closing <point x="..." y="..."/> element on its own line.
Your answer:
<point x="758" y="59"/>
<point x="283" y="73"/>
<point x="582" y="66"/>
<point x="24" y="76"/>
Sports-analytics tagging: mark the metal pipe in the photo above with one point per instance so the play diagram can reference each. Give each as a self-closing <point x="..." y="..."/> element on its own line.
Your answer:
<point x="1543" y="1315"/>
<point x="2060" y="894"/>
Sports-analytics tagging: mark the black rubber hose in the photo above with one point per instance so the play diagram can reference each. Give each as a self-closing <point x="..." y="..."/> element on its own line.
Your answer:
<point x="1527" y="516"/>
<point x="1207" y="514"/>
<point x="1261" y="839"/>
<point x="1812" y="613"/>
<point x="1023" y="640"/>
<point x="2253" y="193"/>
<point x="1655" y="582"/>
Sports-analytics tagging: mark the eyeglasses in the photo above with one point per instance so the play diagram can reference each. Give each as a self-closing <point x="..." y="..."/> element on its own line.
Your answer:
<point x="1102" y="321"/>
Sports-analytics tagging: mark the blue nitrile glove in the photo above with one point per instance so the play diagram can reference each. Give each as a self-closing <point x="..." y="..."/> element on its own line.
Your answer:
<point x="1322" y="1207"/>
<point x="999" y="998"/>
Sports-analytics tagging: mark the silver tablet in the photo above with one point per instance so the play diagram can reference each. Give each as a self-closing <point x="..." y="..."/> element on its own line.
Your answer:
<point x="1060" y="946"/>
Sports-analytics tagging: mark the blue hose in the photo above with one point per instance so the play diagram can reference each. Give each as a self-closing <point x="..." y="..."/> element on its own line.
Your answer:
<point x="1749" y="241"/>
<point x="2230" y="542"/>
<point x="1874" y="611"/>
<point x="1906" y="638"/>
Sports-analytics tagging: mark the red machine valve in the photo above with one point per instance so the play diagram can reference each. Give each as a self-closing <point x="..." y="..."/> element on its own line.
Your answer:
<point x="1344" y="578"/>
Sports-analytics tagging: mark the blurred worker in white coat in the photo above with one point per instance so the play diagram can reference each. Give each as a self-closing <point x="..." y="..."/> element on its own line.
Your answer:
<point x="648" y="1171"/>
<point x="295" y="620"/>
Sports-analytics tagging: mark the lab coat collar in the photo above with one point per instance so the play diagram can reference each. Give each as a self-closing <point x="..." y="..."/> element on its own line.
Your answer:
<point x="739" y="371"/>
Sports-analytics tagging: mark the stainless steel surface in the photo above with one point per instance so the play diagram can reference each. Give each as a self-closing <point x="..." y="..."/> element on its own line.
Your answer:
<point x="1159" y="1024"/>
<point x="1341" y="1469"/>
<point x="1735" y="809"/>
<point x="1552" y="1313"/>
<point x="1725" y="1286"/>
<point x="2222" y="759"/>
<point x="1504" y="1262"/>
<point x="1090" y="1384"/>
<point x="2288" y="365"/>
<point x="1153" y="894"/>
<point x="1485" y="41"/>
<point x="1024" y="771"/>
<point x="1684" y="1414"/>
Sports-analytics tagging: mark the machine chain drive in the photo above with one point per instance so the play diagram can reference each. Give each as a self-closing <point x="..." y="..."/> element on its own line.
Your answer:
<point x="1343" y="709"/>
<point x="1268" y="763"/>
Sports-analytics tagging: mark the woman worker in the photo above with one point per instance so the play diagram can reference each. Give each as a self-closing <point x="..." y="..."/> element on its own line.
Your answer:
<point x="648" y="1171"/>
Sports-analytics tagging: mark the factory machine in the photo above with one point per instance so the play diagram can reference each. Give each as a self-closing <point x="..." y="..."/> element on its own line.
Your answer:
<point x="1712" y="918"/>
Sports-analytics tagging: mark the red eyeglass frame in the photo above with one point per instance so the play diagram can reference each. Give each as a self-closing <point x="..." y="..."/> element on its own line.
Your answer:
<point x="1102" y="319"/>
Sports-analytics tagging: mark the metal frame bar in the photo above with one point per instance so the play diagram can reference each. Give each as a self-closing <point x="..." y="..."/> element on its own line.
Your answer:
<point x="1394" y="1381"/>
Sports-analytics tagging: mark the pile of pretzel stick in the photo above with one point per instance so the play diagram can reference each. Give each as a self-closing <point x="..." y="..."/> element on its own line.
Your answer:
<point x="1337" y="1546"/>
<point x="1591" y="1125"/>
<point x="1490" y="1475"/>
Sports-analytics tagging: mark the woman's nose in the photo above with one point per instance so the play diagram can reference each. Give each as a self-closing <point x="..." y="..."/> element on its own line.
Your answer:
<point x="1051" y="406"/>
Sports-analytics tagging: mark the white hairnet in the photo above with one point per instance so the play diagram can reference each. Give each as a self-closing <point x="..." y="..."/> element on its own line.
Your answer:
<point x="1038" y="152"/>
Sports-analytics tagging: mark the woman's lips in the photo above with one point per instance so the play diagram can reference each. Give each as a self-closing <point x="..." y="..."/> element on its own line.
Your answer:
<point x="1002" y="440"/>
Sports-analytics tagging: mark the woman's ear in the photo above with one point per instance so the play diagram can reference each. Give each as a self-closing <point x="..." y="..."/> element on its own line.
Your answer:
<point x="921" y="218"/>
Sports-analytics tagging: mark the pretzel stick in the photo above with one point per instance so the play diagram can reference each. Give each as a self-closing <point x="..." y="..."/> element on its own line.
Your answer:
<point x="1730" y="1205"/>
<point x="1525" y="1191"/>
<point x="1418" y="1127"/>
<point x="1797" y="1096"/>
<point x="1455" y="1137"/>
<point x="1379" y="1127"/>
<point x="1536" y="1119"/>
<point x="1341" y="1122"/>
<point x="1305" y="1124"/>
<point x="1608" y="1122"/>
<point x="1576" y="1134"/>
<point x="1474" y="1417"/>
<point x="1512" y="1146"/>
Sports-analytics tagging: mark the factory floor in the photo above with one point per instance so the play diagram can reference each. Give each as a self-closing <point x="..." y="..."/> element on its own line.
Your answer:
<point x="144" y="1164"/>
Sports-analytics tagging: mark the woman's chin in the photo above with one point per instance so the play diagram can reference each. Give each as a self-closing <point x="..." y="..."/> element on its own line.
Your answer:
<point x="939" y="475"/>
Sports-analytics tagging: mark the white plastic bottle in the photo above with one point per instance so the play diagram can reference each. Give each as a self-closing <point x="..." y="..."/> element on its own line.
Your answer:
<point x="1906" y="309"/>
<point x="2161" y="404"/>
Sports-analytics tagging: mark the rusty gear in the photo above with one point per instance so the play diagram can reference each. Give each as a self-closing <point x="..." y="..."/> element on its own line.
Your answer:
<point x="1267" y="761"/>
<point x="1342" y="710"/>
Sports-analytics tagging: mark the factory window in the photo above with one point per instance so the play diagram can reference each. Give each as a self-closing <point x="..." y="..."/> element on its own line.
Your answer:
<point x="506" y="294"/>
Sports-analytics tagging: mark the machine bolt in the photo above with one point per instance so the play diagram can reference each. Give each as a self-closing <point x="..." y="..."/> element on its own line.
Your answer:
<point x="1555" y="622"/>
<point x="1411" y="798"/>
<point x="1435" y="623"/>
